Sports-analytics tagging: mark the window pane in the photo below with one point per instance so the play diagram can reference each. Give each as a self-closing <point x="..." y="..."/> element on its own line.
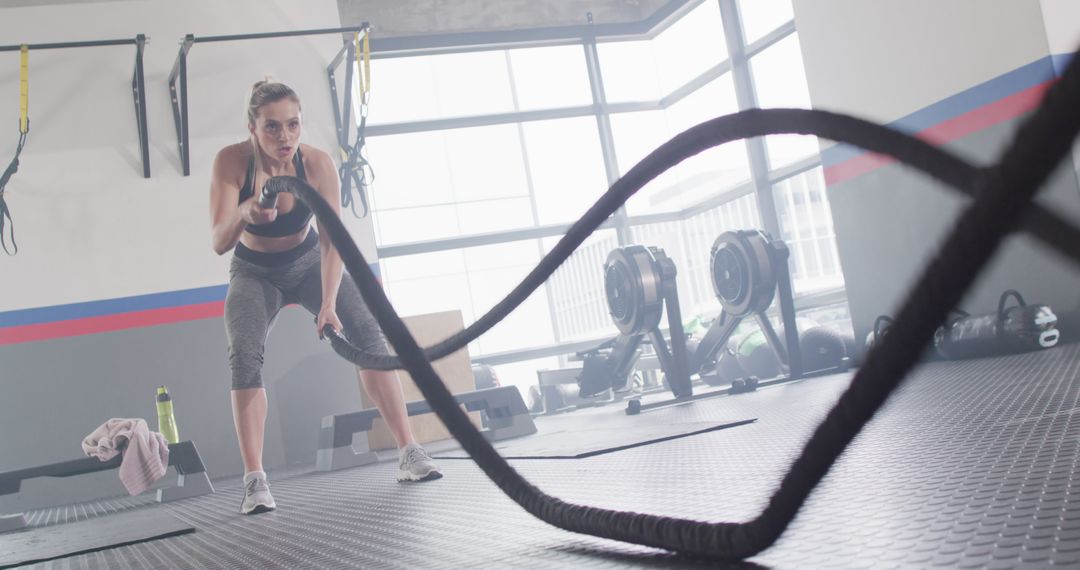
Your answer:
<point x="431" y="295"/>
<point x="398" y="182"/>
<point x="690" y="46"/>
<point x="629" y="71"/>
<point x="439" y="86"/>
<point x="494" y="215"/>
<point x="403" y="90"/>
<point x="806" y="227"/>
<point x="780" y="81"/>
<point x="473" y="280"/>
<point x="577" y="289"/>
<point x="523" y="253"/>
<point x="550" y="77"/>
<point x="485" y="162"/>
<point x="422" y="265"/>
<point x="760" y="17"/>
<point x="527" y="326"/>
<point x="567" y="167"/>
<point x="650" y="69"/>
<point x="699" y="177"/>
<point x="415" y="224"/>
<point x="476" y="83"/>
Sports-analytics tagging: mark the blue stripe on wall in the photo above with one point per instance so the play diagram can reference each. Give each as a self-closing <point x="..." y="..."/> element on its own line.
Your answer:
<point x="1061" y="61"/>
<point x="105" y="307"/>
<point x="985" y="93"/>
<point x="113" y="306"/>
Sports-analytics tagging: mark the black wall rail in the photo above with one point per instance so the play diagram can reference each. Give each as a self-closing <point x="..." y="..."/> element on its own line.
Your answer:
<point x="138" y="84"/>
<point x="178" y="93"/>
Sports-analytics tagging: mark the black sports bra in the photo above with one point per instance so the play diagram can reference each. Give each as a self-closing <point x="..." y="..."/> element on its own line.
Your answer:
<point x="285" y="224"/>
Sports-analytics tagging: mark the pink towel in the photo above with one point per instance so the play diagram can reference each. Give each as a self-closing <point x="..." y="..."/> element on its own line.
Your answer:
<point x="146" y="453"/>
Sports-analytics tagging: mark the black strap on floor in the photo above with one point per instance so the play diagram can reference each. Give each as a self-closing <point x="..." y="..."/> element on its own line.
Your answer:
<point x="1004" y="193"/>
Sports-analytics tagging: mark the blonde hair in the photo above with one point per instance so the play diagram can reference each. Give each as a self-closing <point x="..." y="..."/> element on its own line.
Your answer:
<point x="264" y="92"/>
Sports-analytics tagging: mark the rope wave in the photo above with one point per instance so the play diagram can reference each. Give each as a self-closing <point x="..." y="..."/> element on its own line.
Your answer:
<point x="1003" y="196"/>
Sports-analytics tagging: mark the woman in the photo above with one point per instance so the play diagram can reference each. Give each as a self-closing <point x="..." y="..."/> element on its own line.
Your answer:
<point x="278" y="260"/>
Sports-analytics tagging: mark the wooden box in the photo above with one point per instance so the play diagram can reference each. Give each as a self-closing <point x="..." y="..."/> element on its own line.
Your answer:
<point x="455" y="371"/>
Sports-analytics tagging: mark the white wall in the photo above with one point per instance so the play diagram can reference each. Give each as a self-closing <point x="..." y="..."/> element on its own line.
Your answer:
<point x="882" y="60"/>
<point x="1062" y="19"/>
<point x="89" y="226"/>
<point x="888" y="60"/>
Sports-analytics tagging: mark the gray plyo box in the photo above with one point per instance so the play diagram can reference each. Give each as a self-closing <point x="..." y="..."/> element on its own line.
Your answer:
<point x="506" y="413"/>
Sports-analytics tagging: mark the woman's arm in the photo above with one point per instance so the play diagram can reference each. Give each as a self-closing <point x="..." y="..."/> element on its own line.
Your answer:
<point x="228" y="218"/>
<point x="323" y="176"/>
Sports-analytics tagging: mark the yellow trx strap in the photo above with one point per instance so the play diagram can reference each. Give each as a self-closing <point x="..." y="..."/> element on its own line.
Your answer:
<point x="24" y="89"/>
<point x="365" y="72"/>
<point x="24" y="128"/>
<point x="355" y="169"/>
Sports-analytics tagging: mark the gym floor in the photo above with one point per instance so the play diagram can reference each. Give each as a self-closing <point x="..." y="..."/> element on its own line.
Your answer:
<point x="969" y="465"/>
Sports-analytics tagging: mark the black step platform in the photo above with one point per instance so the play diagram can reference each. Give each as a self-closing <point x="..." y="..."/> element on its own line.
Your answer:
<point x="504" y="412"/>
<point x="192" y="480"/>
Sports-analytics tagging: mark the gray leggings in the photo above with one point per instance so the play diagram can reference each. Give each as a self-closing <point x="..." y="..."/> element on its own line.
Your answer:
<point x="260" y="284"/>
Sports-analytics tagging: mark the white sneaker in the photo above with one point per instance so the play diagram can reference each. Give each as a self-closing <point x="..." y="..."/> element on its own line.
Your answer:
<point x="257" y="498"/>
<point x="416" y="465"/>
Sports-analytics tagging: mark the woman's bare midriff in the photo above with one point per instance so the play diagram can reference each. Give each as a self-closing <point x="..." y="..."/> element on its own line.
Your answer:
<point x="273" y="244"/>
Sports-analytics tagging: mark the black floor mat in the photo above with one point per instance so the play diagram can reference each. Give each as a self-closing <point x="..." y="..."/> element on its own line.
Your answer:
<point x="970" y="464"/>
<point x="597" y="439"/>
<point x="99" y="533"/>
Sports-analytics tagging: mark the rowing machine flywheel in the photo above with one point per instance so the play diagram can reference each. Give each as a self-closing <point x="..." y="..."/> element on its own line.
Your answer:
<point x="632" y="285"/>
<point x="742" y="272"/>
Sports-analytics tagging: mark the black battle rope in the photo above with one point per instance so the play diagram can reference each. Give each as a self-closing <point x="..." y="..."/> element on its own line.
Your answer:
<point x="1004" y="195"/>
<point x="938" y="163"/>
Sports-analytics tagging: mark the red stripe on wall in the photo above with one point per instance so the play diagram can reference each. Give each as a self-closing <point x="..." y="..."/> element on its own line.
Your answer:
<point x="973" y="121"/>
<point x="108" y="323"/>
<point x="988" y="115"/>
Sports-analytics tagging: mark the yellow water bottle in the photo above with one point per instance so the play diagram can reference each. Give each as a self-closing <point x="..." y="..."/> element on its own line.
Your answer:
<point x="166" y="421"/>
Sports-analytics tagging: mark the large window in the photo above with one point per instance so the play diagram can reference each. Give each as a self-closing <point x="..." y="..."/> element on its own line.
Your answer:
<point x="473" y="280"/>
<point x="807" y="229"/>
<point x="698" y="177"/>
<point x="519" y="147"/>
<point x="759" y="17"/>
<point x="780" y="81"/>
<point x="566" y="167"/>
<point x="440" y="184"/>
<point x="650" y="69"/>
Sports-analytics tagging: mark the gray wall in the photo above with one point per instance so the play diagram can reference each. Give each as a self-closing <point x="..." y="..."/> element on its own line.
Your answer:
<point x="886" y="60"/>
<point x="890" y="221"/>
<point x="57" y="391"/>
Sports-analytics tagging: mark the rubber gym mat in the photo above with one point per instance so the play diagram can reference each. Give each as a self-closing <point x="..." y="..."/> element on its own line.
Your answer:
<point x="100" y="533"/>
<point x="596" y="440"/>
<point x="970" y="465"/>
